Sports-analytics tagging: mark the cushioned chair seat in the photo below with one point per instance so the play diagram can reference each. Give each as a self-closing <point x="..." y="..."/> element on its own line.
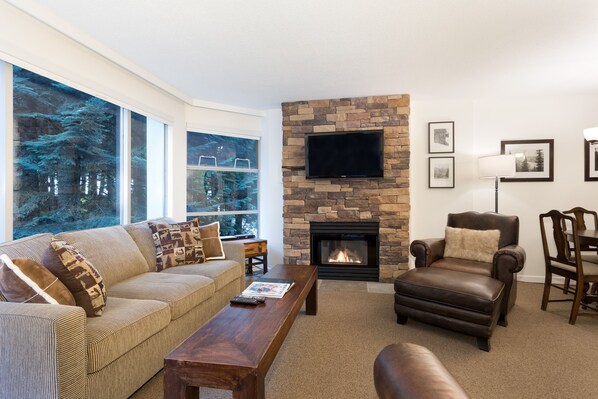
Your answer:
<point x="182" y="293"/>
<point x="125" y="324"/>
<point x="222" y="272"/>
<point x="464" y="265"/>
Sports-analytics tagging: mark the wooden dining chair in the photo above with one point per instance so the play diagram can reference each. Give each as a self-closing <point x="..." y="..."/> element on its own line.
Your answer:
<point x="564" y="260"/>
<point x="589" y="252"/>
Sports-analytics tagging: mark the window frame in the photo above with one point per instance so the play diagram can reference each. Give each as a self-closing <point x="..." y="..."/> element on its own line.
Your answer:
<point x="199" y="130"/>
<point x="124" y="139"/>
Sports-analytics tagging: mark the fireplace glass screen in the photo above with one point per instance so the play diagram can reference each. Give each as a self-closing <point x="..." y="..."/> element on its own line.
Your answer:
<point x="343" y="252"/>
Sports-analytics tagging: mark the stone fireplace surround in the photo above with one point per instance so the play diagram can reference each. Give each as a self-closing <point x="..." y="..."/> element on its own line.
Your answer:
<point x="384" y="200"/>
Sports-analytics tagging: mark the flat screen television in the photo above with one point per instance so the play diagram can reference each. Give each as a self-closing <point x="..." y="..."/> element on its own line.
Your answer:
<point x="344" y="154"/>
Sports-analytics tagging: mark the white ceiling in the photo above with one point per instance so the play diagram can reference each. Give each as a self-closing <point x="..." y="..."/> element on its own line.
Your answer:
<point x="259" y="53"/>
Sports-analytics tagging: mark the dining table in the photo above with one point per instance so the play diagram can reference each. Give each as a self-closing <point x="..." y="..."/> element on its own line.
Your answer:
<point x="586" y="237"/>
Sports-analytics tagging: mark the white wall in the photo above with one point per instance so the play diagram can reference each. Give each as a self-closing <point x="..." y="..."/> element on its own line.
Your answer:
<point x="479" y="128"/>
<point x="559" y="118"/>
<point x="271" y="189"/>
<point x="26" y="42"/>
<point x="430" y="206"/>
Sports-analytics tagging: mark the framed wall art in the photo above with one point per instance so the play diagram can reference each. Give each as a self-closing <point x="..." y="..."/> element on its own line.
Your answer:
<point x="590" y="161"/>
<point x="441" y="172"/>
<point x="441" y="137"/>
<point x="534" y="159"/>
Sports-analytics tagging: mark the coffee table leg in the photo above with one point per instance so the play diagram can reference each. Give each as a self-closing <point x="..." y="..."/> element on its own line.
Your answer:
<point x="252" y="387"/>
<point x="311" y="302"/>
<point x="174" y="388"/>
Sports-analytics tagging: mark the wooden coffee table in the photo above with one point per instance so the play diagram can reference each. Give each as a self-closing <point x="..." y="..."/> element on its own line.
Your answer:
<point x="235" y="349"/>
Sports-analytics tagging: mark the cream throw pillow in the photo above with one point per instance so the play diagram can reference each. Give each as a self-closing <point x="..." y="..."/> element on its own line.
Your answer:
<point x="479" y="245"/>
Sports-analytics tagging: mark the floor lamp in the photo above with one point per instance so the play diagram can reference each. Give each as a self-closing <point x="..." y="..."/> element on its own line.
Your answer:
<point x="494" y="167"/>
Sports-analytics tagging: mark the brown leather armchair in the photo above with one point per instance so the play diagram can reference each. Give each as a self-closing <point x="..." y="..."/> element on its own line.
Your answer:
<point x="506" y="263"/>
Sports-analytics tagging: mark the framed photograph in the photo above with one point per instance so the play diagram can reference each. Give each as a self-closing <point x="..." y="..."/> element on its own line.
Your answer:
<point x="591" y="161"/>
<point x="534" y="159"/>
<point x="441" y="137"/>
<point x="441" y="172"/>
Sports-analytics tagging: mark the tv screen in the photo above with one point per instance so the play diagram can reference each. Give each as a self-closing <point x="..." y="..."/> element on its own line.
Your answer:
<point x="346" y="154"/>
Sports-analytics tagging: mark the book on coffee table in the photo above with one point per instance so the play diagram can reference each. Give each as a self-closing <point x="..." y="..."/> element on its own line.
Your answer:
<point x="269" y="289"/>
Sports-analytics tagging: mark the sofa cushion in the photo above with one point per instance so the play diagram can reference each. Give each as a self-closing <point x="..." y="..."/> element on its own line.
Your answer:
<point x="79" y="276"/>
<point x="142" y="235"/>
<point x="210" y="240"/>
<point x="111" y="250"/>
<point x="32" y="247"/>
<point x="125" y="324"/>
<point x="221" y="271"/>
<point x="24" y="280"/>
<point x="471" y="244"/>
<point x="177" y="244"/>
<point x="182" y="293"/>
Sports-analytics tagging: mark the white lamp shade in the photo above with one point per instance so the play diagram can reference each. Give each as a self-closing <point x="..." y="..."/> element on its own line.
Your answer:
<point x="591" y="134"/>
<point x="496" y="166"/>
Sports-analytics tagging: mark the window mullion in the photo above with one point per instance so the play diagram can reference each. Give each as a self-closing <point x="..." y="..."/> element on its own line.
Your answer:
<point x="125" y="166"/>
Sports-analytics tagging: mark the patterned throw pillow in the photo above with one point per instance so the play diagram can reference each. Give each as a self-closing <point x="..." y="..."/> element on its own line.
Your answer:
<point x="210" y="239"/>
<point x="177" y="244"/>
<point x="24" y="280"/>
<point x="78" y="274"/>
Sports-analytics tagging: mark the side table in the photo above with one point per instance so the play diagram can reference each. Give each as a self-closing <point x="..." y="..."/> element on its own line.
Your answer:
<point x="256" y="253"/>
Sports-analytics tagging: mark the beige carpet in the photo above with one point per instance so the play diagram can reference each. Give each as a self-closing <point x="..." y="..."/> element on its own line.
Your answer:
<point x="539" y="355"/>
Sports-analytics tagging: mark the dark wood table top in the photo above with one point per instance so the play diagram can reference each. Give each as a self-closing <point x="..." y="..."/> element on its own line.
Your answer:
<point x="244" y="336"/>
<point x="585" y="236"/>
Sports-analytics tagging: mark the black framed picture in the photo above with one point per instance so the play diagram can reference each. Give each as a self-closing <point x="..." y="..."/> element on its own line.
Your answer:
<point x="441" y="137"/>
<point x="534" y="159"/>
<point x="441" y="172"/>
<point x="590" y="156"/>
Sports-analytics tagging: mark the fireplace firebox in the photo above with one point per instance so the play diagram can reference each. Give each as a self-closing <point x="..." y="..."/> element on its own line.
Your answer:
<point x="345" y="250"/>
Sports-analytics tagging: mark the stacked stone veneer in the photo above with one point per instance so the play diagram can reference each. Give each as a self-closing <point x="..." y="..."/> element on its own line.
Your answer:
<point x="385" y="200"/>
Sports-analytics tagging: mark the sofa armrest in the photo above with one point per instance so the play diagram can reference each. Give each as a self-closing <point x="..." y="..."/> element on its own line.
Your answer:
<point x="427" y="251"/>
<point x="43" y="352"/>
<point x="509" y="259"/>
<point x="234" y="250"/>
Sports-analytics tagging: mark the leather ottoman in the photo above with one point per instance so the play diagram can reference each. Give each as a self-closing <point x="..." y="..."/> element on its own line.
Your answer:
<point x="458" y="301"/>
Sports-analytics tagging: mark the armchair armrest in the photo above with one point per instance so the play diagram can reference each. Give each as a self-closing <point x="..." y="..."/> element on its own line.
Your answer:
<point x="43" y="351"/>
<point x="427" y="251"/>
<point x="509" y="259"/>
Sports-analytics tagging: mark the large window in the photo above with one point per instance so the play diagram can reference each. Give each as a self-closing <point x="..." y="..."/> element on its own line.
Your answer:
<point x="222" y="181"/>
<point x="69" y="159"/>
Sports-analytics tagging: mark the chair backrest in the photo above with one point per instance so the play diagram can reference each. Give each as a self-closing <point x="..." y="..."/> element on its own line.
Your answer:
<point x="580" y="217"/>
<point x="556" y="246"/>
<point x="580" y="220"/>
<point x="508" y="225"/>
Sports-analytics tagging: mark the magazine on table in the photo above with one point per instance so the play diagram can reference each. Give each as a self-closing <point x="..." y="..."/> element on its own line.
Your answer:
<point x="270" y="288"/>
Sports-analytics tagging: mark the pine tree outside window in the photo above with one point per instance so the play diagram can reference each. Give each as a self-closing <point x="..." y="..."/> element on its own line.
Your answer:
<point x="67" y="159"/>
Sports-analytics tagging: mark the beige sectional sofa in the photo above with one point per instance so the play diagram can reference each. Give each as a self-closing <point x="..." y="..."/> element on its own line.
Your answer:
<point x="55" y="351"/>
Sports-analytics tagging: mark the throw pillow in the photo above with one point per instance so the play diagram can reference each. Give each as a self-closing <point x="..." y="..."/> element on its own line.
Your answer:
<point x="177" y="244"/>
<point x="210" y="240"/>
<point x="478" y="245"/>
<point x="24" y="280"/>
<point x="79" y="276"/>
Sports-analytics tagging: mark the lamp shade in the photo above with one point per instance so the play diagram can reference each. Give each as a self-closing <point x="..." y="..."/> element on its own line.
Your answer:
<point x="591" y="134"/>
<point x="496" y="166"/>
